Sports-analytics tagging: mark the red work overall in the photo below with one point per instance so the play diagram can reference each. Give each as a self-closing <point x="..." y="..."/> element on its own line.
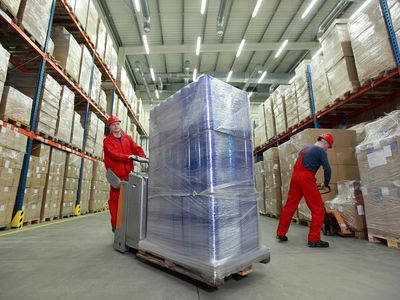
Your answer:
<point x="303" y="183"/>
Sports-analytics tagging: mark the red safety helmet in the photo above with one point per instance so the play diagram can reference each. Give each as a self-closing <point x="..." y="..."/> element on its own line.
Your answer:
<point x="113" y="119"/>
<point x="328" y="138"/>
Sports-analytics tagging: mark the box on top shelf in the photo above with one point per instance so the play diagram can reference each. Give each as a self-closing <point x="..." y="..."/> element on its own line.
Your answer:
<point x="15" y="105"/>
<point x="12" y="6"/>
<point x="77" y="132"/>
<point x="4" y="58"/>
<point x="103" y="100"/>
<point x="292" y="114"/>
<point x="269" y="118"/>
<point x="92" y="22"/>
<point x="96" y="85"/>
<point x="108" y="50"/>
<point x="101" y="38"/>
<point x="321" y="90"/>
<point x="81" y="11"/>
<point x="279" y="107"/>
<point x="85" y="69"/>
<point x="303" y="98"/>
<point x="65" y="115"/>
<point x="114" y="62"/>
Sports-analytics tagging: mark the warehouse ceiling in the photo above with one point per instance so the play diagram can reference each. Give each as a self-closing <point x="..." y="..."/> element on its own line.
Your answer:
<point x="174" y="28"/>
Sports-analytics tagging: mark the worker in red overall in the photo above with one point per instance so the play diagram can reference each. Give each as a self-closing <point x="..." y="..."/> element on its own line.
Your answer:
<point x="303" y="183"/>
<point x="119" y="150"/>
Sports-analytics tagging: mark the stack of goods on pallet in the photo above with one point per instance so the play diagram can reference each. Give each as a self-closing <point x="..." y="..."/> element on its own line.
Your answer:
<point x="4" y="58"/>
<point x="341" y="159"/>
<point x="85" y="70"/>
<point x="321" y="91"/>
<point x="101" y="38"/>
<point x="379" y="162"/>
<point x="15" y="106"/>
<point x="96" y="85"/>
<point x="12" y="150"/>
<point x="370" y="42"/>
<point x="278" y="100"/>
<point x="259" y="182"/>
<point x="35" y="182"/>
<point x="272" y="174"/>
<point x="103" y="100"/>
<point x="260" y="133"/>
<point x="91" y="131"/>
<point x="269" y="119"/>
<point x="86" y="185"/>
<point x="92" y="22"/>
<point x="205" y="217"/>
<point x="350" y="205"/>
<point x="112" y="102"/>
<point x="12" y="6"/>
<point x="65" y="115"/>
<point x="303" y="99"/>
<point x="52" y="199"/>
<point x="292" y="114"/>
<point x="98" y="143"/>
<point x="77" y="132"/>
<point x="339" y="59"/>
<point x="34" y="16"/>
<point x="99" y="192"/>
<point x="81" y="11"/>
<point x="70" y="188"/>
<point x="111" y="56"/>
<point x="67" y="52"/>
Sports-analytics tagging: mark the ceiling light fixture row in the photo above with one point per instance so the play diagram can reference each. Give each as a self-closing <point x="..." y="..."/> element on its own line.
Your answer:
<point x="229" y="76"/>
<point x="195" y="74"/>
<point x="198" y="45"/>
<point x="145" y="43"/>
<point x="203" y="6"/>
<point x="256" y="8"/>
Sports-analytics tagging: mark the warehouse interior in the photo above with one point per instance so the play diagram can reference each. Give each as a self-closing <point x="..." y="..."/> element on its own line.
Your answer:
<point x="221" y="96"/>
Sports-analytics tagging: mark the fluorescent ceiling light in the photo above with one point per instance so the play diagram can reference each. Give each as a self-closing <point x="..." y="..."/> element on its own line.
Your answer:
<point x="240" y="48"/>
<point x="317" y="53"/>
<point x="292" y="80"/>
<point x="157" y="94"/>
<point x="262" y="77"/>
<point x="310" y="6"/>
<point x="137" y="5"/>
<point x="229" y="76"/>
<point x="203" y="6"/>
<point x="360" y="8"/>
<point x="250" y="94"/>
<point x="256" y="8"/>
<point x="146" y="45"/>
<point x="194" y="74"/>
<point x="198" y="45"/>
<point x="281" y="48"/>
<point x="152" y="74"/>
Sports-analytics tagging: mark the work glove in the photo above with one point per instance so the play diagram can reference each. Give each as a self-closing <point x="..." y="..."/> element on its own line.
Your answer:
<point x="139" y="159"/>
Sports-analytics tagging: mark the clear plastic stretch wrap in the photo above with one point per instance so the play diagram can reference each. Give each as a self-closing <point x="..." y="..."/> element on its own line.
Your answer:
<point x="12" y="6"/>
<point x="34" y="16"/>
<point x="272" y="176"/>
<point x="77" y="132"/>
<point x="321" y="90"/>
<point x="107" y="53"/>
<point x="71" y="4"/>
<point x="85" y="69"/>
<point x="67" y="51"/>
<point x="81" y="11"/>
<point x="259" y="184"/>
<point x="360" y="131"/>
<point x="260" y="135"/>
<point x="15" y="105"/>
<point x="303" y="98"/>
<point x="202" y="209"/>
<point x="370" y="42"/>
<point x="91" y="22"/>
<point x="379" y="162"/>
<point x="269" y="118"/>
<point x="279" y="106"/>
<point x="292" y="114"/>
<point x="4" y="58"/>
<point x="114" y="62"/>
<point x="100" y="187"/>
<point x="96" y="85"/>
<point x="65" y="115"/>
<point x="101" y="38"/>
<point x="103" y="100"/>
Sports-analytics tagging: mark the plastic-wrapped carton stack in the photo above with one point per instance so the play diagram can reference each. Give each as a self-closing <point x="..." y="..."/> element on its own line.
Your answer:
<point x="4" y="58"/>
<point x="114" y="62"/>
<point x="101" y="38"/>
<point x="81" y="11"/>
<point x="92" y="22"/>
<point x="279" y="107"/>
<point x="269" y="118"/>
<point x="321" y="90"/>
<point x="65" y="115"/>
<point x="272" y="174"/>
<point x="35" y="182"/>
<point x="339" y="59"/>
<point x="108" y="52"/>
<point x="34" y="16"/>
<point x="70" y="188"/>
<point x="15" y="105"/>
<point x="350" y="204"/>
<point x="379" y="162"/>
<point x="86" y="185"/>
<point x="370" y="42"/>
<point x="341" y="159"/>
<point x="103" y="100"/>
<point x="52" y="198"/>
<point x="98" y="145"/>
<point x="67" y="52"/>
<point x="259" y="185"/>
<point x="77" y="131"/>
<point x="12" y="151"/>
<point x="12" y="6"/>
<point x="85" y="69"/>
<point x="303" y="98"/>
<point x="99" y="193"/>
<point x="71" y="4"/>
<point x="114" y="109"/>
<point x="260" y="133"/>
<point x="96" y="85"/>
<point x="91" y="131"/>
<point x="292" y="114"/>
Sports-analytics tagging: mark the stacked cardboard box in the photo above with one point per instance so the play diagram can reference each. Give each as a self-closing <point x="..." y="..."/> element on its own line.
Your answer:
<point x="100" y="188"/>
<point x="292" y="114"/>
<point x="101" y="38"/>
<point x="36" y="180"/>
<point x="370" y="42"/>
<point x="103" y="100"/>
<point x="259" y="185"/>
<point x="34" y="16"/>
<point x="379" y="162"/>
<point x="92" y="22"/>
<point x="269" y="118"/>
<point x="65" y="115"/>
<point x="98" y="145"/>
<point x="279" y="107"/>
<point x="81" y="11"/>
<point x="111" y="56"/>
<point x="12" y="6"/>
<point x="70" y="188"/>
<point x="85" y="70"/>
<point x="12" y="150"/>
<point x="67" y="52"/>
<point x="288" y="153"/>
<point x="96" y="85"/>
<point x="339" y="59"/>
<point x="303" y="99"/>
<point x="272" y="177"/>
<point x="15" y="105"/>
<point x="4" y="58"/>
<point x="112" y="106"/>
<point x="321" y="90"/>
<point x="91" y="130"/>
<point x="86" y="185"/>
<point x="52" y="198"/>
<point x="77" y="131"/>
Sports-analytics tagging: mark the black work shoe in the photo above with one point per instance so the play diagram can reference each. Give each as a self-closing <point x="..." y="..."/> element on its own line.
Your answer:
<point x="113" y="229"/>
<point x="282" y="238"/>
<point x="320" y="244"/>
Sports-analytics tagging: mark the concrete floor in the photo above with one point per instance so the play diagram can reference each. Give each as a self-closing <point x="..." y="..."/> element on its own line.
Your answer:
<point x="75" y="260"/>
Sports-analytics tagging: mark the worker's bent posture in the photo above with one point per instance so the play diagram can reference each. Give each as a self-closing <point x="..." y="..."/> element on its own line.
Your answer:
<point x="119" y="149"/>
<point x="303" y="183"/>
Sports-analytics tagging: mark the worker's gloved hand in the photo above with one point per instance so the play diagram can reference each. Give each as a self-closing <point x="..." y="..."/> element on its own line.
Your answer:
<point x="139" y="159"/>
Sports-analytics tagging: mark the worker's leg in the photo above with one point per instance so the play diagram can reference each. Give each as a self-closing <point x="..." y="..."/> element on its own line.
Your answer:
<point x="316" y="205"/>
<point x="293" y="200"/>
<point x="113" y="205"/>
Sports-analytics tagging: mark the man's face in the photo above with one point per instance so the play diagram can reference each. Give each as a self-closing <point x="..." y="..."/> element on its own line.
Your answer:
<point x="115" y="127"/>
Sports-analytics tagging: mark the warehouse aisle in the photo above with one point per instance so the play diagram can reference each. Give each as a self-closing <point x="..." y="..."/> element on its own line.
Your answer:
<point x="75" y="260"/>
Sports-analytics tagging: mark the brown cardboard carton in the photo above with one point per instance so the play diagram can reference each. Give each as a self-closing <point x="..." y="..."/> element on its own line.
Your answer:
<point x="15" y="105"/>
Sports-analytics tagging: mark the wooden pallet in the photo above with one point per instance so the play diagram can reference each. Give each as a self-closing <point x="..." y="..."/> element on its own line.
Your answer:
<point x="31" y="222"/>
<point x="4" y="227"/>
<point x="67" y="216"/>
<point x="176" y="267"/>
<point x="16" y="123"/>
<point x="272" y="216"/>
<point x="49" y="219"/>
<point x="391" y="242"/>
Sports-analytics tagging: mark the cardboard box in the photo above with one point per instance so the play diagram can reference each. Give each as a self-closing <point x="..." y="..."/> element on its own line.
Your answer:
<point x="101" y="38"/>
<point x="4" y="58"/>
<point x="15" y="105"/>
<point x="86" y="64"/>
<point x="81" y="11"/>
<point x="92" y="22"/>
<point x="279" y="107"/>
<point x="65" y="115"/>
<point x="12" y="6"/>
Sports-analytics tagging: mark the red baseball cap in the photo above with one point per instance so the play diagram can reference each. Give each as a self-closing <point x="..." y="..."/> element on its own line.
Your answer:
<point x="113" y="119"/>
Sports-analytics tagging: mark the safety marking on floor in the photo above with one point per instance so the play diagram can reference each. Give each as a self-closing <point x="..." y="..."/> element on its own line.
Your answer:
<point x="23" y="229"/>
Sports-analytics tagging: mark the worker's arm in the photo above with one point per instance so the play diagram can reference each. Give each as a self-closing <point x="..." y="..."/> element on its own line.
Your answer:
<point x="113" y="152"/>
<point x="326" y="167"/>
<point x="136" y="150"/>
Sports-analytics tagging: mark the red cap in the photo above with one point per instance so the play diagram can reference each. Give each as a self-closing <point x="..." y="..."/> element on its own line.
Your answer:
<point x="113" y="119"/>
<point x="328" y="138"/>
